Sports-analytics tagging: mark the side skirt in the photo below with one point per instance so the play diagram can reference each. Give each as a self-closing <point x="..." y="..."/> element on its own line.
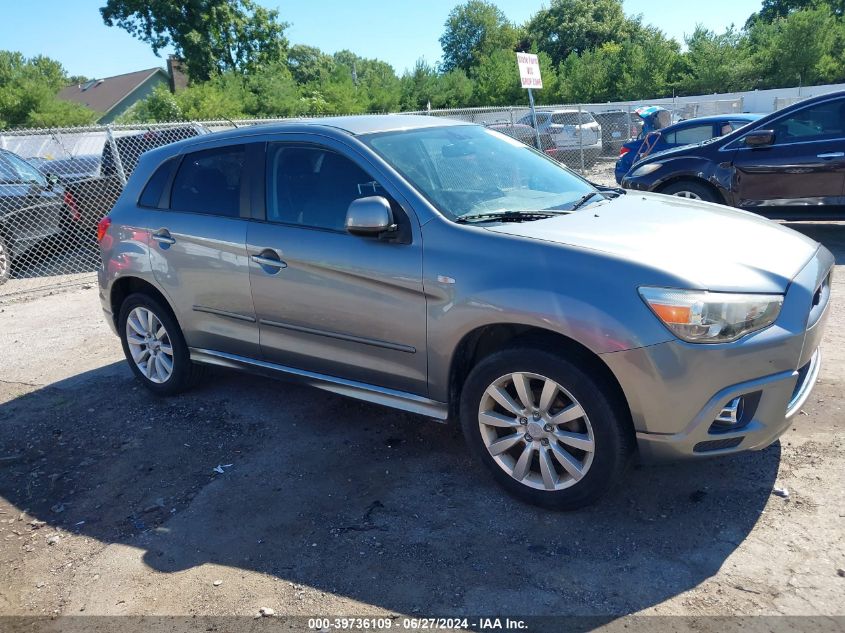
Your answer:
<point x="359" y="390"/>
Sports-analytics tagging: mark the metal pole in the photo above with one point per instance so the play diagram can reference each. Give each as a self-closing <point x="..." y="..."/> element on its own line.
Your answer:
<point x="534" y="119"/>
<point x="118" y="163"/>
<point x="580" y="138"/>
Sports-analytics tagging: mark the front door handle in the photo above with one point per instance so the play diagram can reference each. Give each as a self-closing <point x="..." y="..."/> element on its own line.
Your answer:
<point x="830" y="155"/>
<point x="269" y="259"/>
<point x="162" y="236"/>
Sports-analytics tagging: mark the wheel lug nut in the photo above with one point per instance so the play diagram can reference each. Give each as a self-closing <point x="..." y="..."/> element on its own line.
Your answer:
<point x="544" y="442"/>
<point x="528" y="438"/>
<point x="536" y="415"/>
<point x="548" y="428"/>
<point x="523" y="421"/>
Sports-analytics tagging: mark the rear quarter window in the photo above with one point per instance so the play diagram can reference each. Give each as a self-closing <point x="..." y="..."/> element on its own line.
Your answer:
<point x="151" y="195"/>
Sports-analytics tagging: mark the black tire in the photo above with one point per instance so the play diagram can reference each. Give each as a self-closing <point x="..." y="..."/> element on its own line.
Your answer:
<point x="5" y="262"/>
<point x="702" y="191"/>
<point x="610" y="426"/>
<point x="185" y="374"/>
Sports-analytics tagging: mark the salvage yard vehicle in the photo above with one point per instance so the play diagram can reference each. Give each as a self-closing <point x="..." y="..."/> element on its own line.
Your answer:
<point x="34" y="207"/>
<point x="683" y="133"/>
<point x="787" y="165"/>
<point x="573" y="132"/>
<point x="448" y="270"/>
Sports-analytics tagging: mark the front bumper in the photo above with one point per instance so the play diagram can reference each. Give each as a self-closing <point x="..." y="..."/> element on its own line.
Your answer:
<point x="775" y="400"/>
<point x="676" y="390"/>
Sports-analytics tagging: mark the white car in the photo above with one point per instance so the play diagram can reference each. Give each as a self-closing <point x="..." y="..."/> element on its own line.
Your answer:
<point x="571" y="131"/>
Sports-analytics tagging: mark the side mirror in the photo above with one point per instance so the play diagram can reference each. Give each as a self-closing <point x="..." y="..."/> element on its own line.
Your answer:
<point x="759" y="138"/>
<point x="369" y="216"/>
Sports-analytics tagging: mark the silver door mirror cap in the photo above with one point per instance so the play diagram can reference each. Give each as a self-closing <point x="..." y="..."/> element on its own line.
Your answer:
<point x="369" y="216"/>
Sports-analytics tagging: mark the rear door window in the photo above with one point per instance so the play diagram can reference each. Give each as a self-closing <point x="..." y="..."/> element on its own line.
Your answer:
<point x="209" y="182"/>
<point x="694" y="134"/>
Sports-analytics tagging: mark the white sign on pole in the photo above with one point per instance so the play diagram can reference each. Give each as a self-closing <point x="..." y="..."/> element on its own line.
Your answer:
<point x="529" y="70"/>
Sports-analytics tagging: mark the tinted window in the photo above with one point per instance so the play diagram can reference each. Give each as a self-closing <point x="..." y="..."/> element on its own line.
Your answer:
<point x="824" y="120"/>
<point x="565" y="118"/>
<point x="572" y="118"/>
<point x="209" y="182"/>
<point x="312" y="186"/>
<point x="26" y="172"/>
<point x="151" y="195"/>
<point x="7" y="174"/>
<point x="689" y="135"/>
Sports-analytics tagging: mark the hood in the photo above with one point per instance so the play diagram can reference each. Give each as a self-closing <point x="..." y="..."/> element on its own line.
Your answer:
<point x="708" y="246"/>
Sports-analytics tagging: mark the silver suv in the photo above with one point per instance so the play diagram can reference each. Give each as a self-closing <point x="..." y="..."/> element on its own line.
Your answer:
<point x="574" y="132"/>
<point x="448" y="270"/>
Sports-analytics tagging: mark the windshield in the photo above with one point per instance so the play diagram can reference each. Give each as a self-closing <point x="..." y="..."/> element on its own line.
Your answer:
<point x="469" y="170"/>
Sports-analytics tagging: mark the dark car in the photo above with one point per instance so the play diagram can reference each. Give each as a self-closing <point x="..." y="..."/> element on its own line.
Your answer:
<point x="96" y="181"/>
<point x="130" y="147"/>
<point x="787" y="165"/>
<point x="33" y="208"/>
<point x="683" y="133"/>
<point x="617" y="126"/>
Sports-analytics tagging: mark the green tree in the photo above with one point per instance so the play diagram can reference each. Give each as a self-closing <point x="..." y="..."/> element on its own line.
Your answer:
<point x="213" y="36"/>
<point x="774" y="9"/>
<point x="568" y="26"/>
<point x="308" y="63"/>
<point x="799" y="48"/>
<point x="28" y="90"/>
<point x="715" y="62"/>
<point x="474" y="30"/>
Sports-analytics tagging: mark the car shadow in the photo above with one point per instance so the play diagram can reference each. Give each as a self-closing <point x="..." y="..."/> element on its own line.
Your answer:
<point x="831" y="234"/>
<point x="360" y="501"/>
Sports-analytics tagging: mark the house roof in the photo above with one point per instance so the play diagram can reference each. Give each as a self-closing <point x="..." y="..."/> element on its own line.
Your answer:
<point x="101" y="95"/>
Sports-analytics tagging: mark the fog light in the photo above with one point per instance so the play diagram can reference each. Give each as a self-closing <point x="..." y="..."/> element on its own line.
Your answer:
<point x="731" y="414"/>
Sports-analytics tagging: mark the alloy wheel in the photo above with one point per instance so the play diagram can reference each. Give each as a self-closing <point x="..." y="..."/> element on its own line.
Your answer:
<point x="536" y="431"/>
<point x="687" y="194"/>
<point x="150" y="346"/>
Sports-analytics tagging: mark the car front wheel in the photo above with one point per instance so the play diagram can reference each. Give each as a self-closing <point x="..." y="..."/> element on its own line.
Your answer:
<point x="544" y="427"/>
<point x="155" y="347"/>
<point x="690" y="190"/>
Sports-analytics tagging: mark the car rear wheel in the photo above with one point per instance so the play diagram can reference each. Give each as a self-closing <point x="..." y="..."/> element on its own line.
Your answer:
<point x="5" y="262"/>
<point x="155" y="347"/>
<point x="544" y="427"/>
<point x="691" y="190"/>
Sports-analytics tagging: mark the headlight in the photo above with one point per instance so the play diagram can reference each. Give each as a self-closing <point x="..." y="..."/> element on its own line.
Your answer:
<point x="698" y="316"/>
<point x="645" y="170"/>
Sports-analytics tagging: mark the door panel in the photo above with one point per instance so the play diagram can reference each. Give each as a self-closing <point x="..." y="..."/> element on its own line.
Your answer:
<point x="198" y="250"/>
<point x="327" y="301"/>
<point x="804" y="166"/>
<point x="346" y="306"/>
<point x="205" y="274"/>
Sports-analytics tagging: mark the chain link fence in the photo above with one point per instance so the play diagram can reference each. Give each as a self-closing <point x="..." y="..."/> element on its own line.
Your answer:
<point x="55" y="185"/>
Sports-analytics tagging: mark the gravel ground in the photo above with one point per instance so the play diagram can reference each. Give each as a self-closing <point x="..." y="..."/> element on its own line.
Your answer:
<point x="110" y="502"/>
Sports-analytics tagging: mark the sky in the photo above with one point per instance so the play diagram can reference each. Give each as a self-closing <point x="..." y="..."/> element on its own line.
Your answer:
<point x="396" y="31"/>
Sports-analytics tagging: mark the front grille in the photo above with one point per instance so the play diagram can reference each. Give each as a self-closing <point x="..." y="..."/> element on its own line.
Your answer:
<point x="716" y="445"/>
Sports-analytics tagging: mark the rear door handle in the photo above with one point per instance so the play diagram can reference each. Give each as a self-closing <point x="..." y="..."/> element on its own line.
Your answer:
<point x="830" y="155"/>
<point x="162" y="236"/>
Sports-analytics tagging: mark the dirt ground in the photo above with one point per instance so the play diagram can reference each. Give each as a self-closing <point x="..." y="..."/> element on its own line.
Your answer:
<point x="110" y="502"/>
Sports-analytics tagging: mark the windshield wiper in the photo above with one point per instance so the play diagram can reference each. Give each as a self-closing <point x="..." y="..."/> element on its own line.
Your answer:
<point x="510" y="216"/>
<point x="585" y="199"/>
